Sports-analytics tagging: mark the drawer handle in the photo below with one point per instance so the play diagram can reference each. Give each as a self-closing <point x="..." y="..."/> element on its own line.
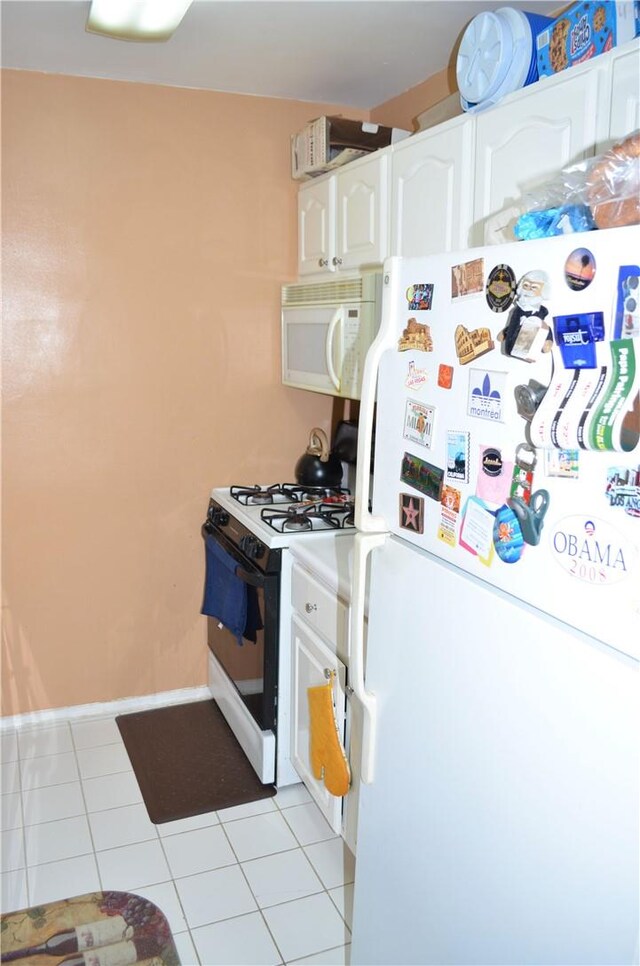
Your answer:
<point x="310" y="607"/>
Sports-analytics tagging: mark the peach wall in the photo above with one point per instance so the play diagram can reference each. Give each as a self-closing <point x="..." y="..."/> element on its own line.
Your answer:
<point x="147" y="231"/>
<point x="402" y="111"/>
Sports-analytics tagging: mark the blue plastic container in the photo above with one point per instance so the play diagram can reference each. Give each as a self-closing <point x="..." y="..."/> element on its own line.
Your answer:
<point x="497" y="55"/>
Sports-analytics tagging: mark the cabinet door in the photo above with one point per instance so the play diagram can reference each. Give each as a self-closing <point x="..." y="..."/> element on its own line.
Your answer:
<point x="311" y="657"/>
<point x="624" y="117"/>
<point x="361" y="213"/>
<point x="316" y="227"/>
<point x="432" y="189"/>
<point x="528" y="140"/>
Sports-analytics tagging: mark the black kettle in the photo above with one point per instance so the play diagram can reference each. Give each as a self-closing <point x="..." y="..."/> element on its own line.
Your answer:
<point x="317" y="466"/>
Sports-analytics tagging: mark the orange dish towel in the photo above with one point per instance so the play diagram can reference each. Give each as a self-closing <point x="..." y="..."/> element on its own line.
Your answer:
<point x="328" y="758"/>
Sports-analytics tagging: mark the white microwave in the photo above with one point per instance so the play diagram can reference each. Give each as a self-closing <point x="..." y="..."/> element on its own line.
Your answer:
<point x="327" y="328"/>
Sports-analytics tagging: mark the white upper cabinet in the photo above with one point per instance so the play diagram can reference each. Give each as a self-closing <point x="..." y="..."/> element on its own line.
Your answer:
<point x="437" y="190"/>
<point x="343" y="218"/>
<point x="432" y="190"/>
<point x="528" y="139"/>
<point x="624" y="106"/>
<point x="361" y="213"/>
<point x="316" y="226"/>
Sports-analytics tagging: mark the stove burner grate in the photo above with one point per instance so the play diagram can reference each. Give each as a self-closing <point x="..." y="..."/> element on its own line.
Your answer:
<point x="317" y="494"/>
<point x="287" y="493"/>
<point x="261" y="495"/>
<point x="310" y="516"/>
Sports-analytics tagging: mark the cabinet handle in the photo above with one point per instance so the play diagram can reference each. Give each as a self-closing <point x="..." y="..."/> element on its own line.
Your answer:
<point x="336" y="261"/>
<point x="310" y="607"/>
<point x="323" y="262"/>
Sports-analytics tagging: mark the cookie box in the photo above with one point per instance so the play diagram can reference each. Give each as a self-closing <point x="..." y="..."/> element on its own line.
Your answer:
<point x="584" y="31"/>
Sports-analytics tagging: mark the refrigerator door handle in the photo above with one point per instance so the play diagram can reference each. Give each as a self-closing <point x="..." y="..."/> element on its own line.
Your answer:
<point x="364" y="543"/>
<point x="328" y="348"/>
<point x="385" y="339"/>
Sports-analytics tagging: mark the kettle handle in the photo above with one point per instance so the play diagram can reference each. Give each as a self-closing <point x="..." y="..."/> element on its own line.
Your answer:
<point x="318" y="444"/>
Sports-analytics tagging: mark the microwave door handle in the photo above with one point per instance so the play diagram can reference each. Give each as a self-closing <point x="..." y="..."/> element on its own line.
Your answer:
<point x="328" y="347"/>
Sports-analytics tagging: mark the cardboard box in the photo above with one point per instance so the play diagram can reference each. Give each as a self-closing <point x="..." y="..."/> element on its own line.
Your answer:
<point x="584" y="31"/>
<point x="444" y="110"/>
<point x="329" y="142"/>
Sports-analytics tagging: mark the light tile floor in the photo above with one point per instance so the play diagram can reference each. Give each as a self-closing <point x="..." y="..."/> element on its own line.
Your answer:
<point x="265" y="883"/>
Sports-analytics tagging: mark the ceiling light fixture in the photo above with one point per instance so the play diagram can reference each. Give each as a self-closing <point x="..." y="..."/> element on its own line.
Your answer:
<point x="142" y="20"/>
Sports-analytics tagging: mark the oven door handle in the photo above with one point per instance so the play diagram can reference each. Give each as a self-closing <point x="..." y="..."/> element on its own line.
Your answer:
<point x="248" y="578"/>
<point x="255" y="580"/>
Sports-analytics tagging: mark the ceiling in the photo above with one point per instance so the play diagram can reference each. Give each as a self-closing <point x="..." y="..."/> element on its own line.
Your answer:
<point x="352" y="52"/>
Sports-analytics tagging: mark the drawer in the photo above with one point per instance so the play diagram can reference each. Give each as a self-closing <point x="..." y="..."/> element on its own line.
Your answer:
<point x="321" y="609"/>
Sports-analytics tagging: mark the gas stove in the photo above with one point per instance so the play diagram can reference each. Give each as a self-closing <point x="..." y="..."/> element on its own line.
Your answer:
<point x="254" y="526"/>
<point x="272" y="515"/>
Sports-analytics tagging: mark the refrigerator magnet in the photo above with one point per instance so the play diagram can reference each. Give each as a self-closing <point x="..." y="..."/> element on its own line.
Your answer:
<point x="615" y="424"/>
<point x="531" y="515"/>
<point x="416" y="336"/>
<point x="476" y="531"/>
<point x="576" y="337"/>
<point x="458" y="456"/>
<point x="447" y="527"/>
<point x="420" y="297"/>
<point x="579" y="269"/>
<point x="494" y="478"/>
<point x="501" y="288"/>
<point x="422" y="475"/>
<point x="449" y="513"/>
<point x="467" y="279"/>
<point x="592" y="550"/>
<point x="528" y="397"/>
<point x="451" y="498"/>
<point x="445" y="376"/>
<point x="486" y="394"/>
<point x="412" y="513"/>
<point x="418" y="423"/>
<point x="507" y="535"/>
<point x="627" y="318"/>
<point x="472" y="344"/>
<point x="623" y="489"/>
<point x="526" y="334"/>
<point x="522" y="477"/>
<point x="416" y="378"/>
<point x="563" y="463"/>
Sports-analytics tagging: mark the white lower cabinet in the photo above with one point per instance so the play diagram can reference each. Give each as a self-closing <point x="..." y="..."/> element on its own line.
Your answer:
<point x="313" y="662"/>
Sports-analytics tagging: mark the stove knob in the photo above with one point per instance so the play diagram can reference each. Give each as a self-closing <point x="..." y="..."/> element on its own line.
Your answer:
<point x="218" y="516"/>
<point x="252" y="547"/>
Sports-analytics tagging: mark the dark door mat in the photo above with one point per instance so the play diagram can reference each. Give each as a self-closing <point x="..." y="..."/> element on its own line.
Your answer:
<point x="187" y="761"/>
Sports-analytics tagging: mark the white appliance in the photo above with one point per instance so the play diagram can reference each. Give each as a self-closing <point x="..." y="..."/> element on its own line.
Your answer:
<point x="327" y="328"/>
<point x="251" y="682"/>
<point x="498" y="818"/>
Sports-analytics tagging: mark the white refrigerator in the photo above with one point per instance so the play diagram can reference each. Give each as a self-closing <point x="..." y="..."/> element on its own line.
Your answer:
<point x="499" y="810"/>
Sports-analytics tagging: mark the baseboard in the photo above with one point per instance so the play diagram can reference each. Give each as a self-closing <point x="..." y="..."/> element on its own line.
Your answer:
<point x="145" y="702"/>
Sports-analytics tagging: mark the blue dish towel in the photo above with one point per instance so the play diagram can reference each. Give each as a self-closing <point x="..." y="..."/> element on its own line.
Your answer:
<point x="225" y="595"/>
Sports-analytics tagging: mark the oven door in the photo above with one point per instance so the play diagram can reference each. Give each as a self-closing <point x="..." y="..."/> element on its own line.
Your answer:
<point x="252" y="667"/>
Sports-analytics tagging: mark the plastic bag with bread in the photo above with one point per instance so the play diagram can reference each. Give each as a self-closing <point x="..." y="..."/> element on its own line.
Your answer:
<point x="601" y="192"/>
<point x="613" y="185"/>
